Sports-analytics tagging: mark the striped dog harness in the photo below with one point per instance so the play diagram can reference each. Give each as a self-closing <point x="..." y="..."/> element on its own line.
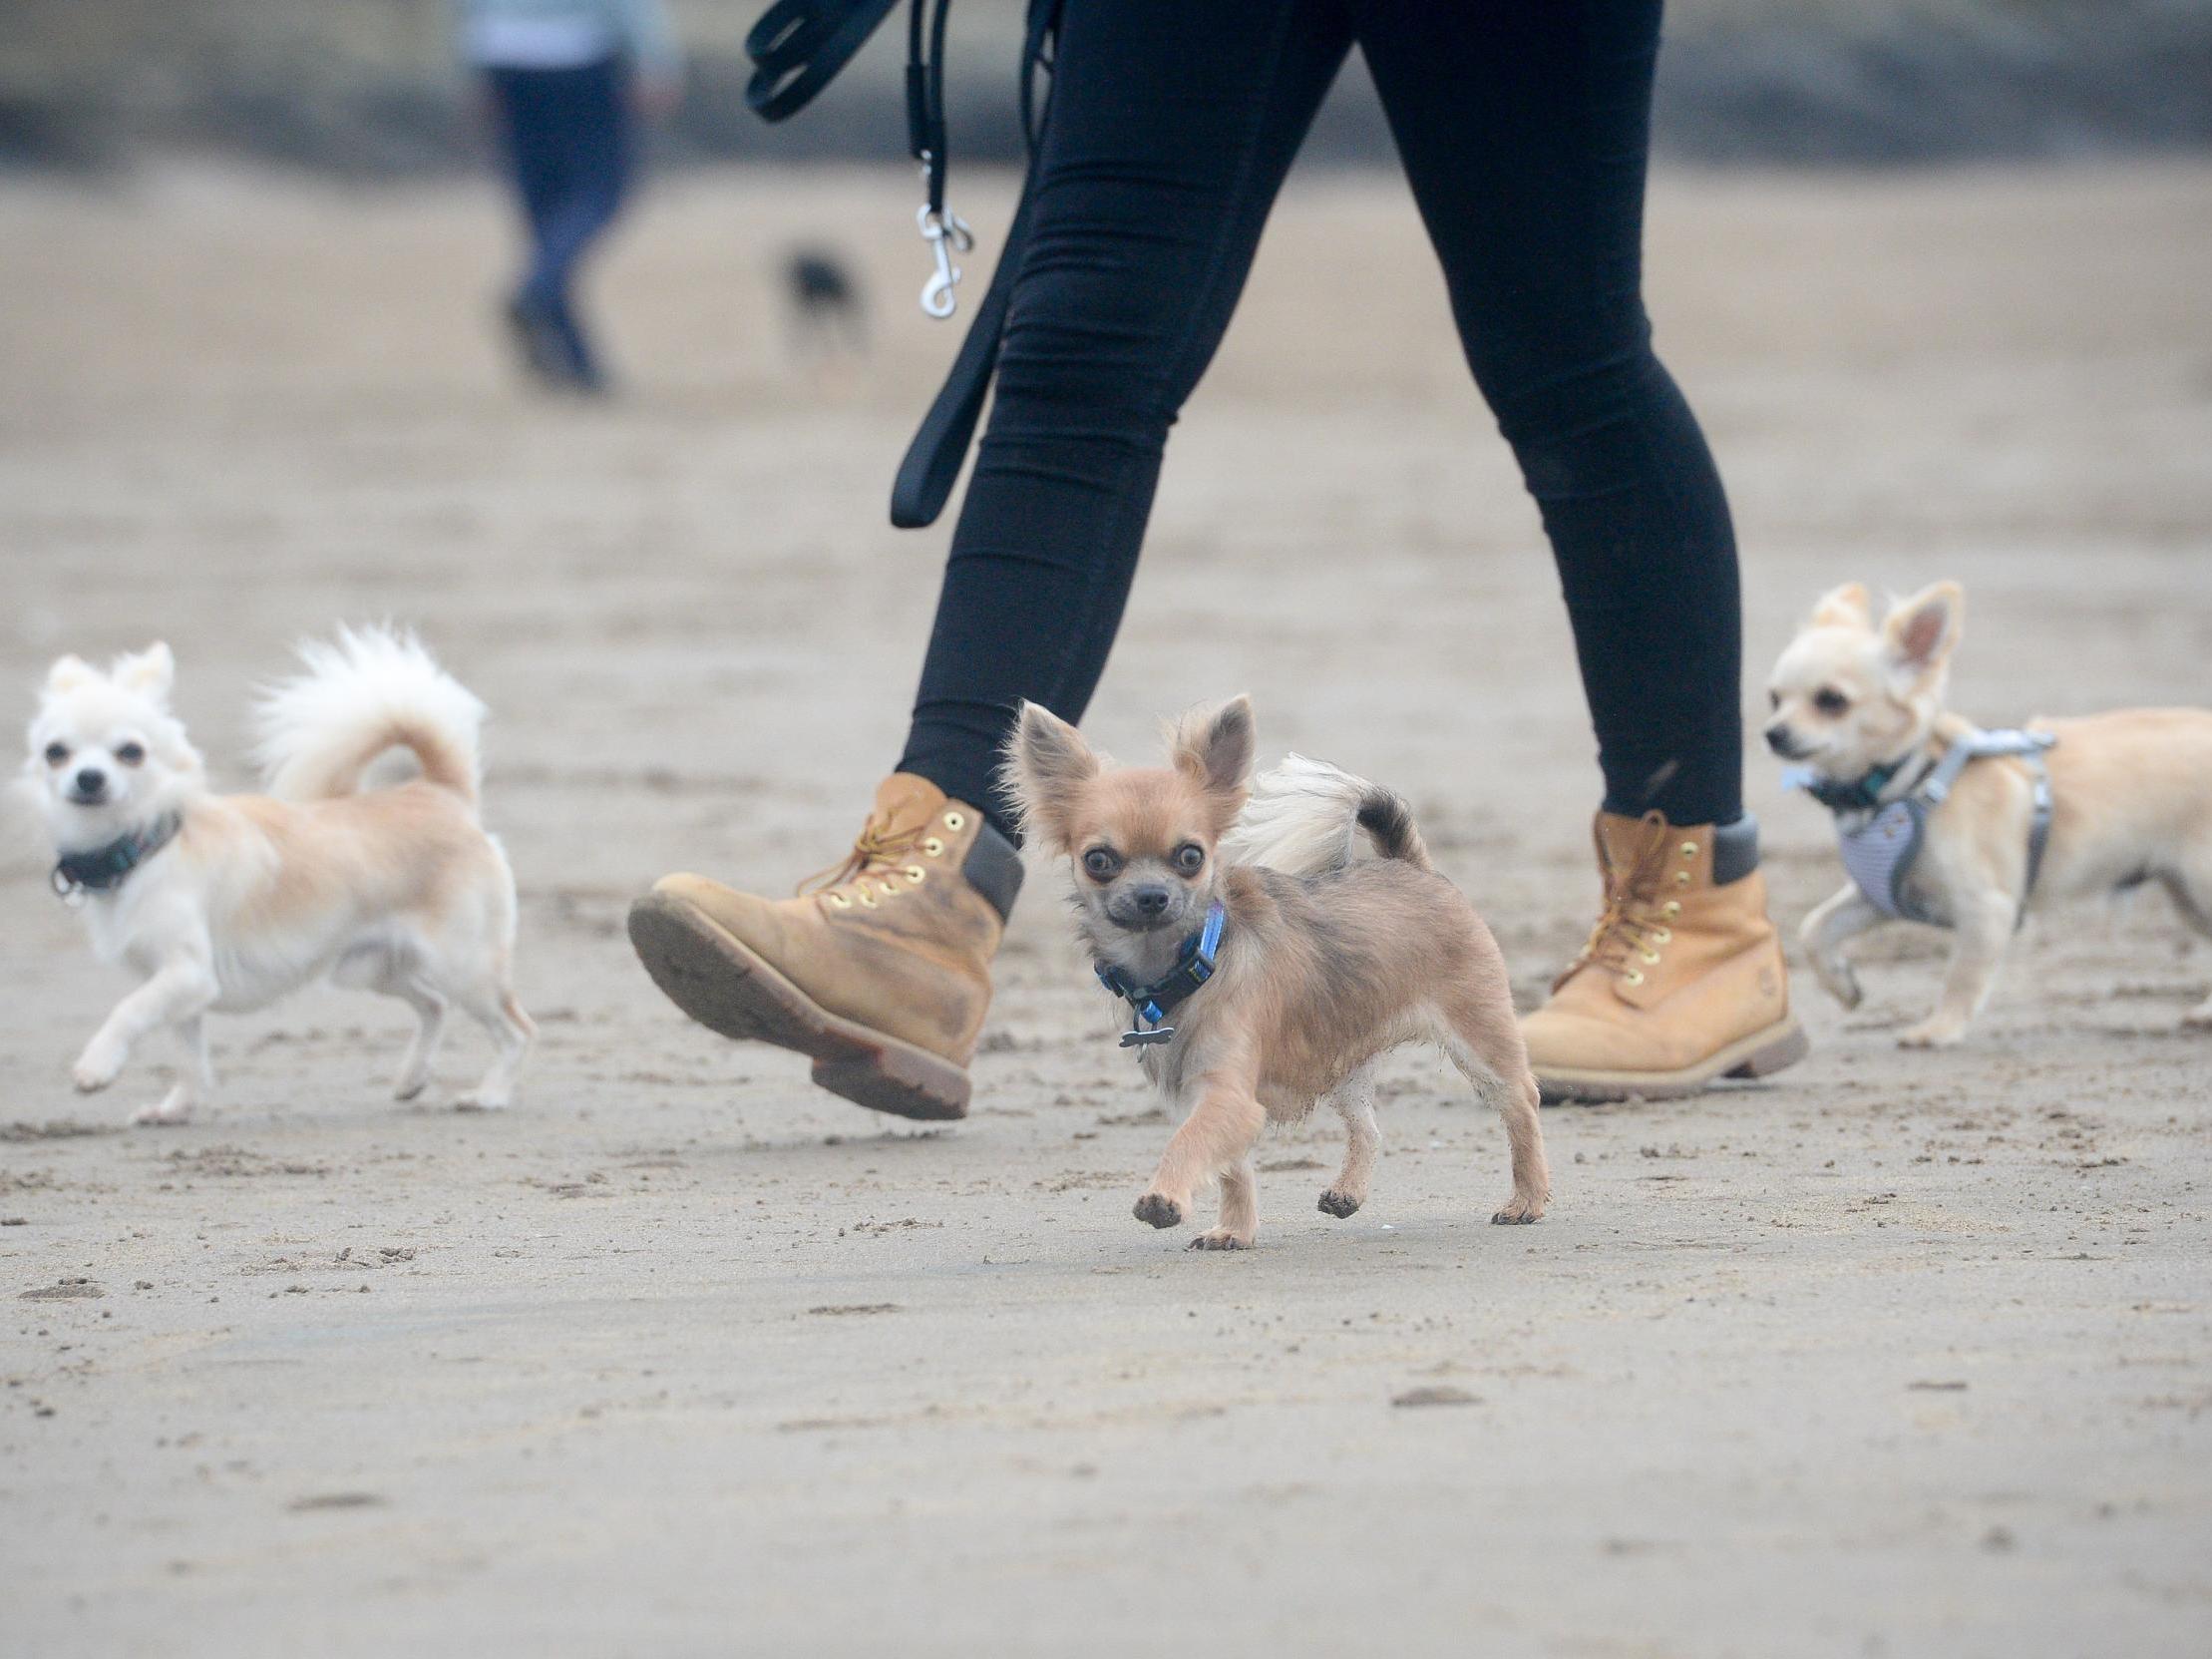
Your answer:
<point x="1881" y="846"/>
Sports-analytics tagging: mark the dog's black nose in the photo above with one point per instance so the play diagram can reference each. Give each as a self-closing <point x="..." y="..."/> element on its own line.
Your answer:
<point x="1778" y="739"/>
<point x="1150" y="901"/>
<point x="90" y="781"/>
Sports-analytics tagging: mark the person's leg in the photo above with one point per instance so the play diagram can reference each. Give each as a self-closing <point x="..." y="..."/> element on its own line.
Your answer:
<point x="1171" y="126"/>
<point x="1525" y="129"/>
<point x="589" y="150"/>
<point x="1171" y="129"/>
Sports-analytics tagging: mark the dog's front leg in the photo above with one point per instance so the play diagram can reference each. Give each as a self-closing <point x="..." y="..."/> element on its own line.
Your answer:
<point x="1213" y="1141"/>
<point x="1240" y="1211"/>
<point x="1825" y="931"/>
<point x="195" y="1085"/>
<point x="1983" y="928"/>
<point x="181" y="989"/>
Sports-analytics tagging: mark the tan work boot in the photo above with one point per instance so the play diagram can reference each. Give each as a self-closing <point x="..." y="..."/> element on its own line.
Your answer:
<point x="1680" y="982"/>
<point x="880" y="970"/>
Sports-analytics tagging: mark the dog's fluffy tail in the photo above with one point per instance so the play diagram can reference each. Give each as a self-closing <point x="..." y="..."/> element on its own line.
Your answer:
<point x="1301" y="816"/>
<point x="369" y="691"/>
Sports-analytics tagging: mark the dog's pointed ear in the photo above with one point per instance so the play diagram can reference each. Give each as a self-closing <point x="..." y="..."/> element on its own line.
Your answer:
<point x="1046" y="768"/>
<point x="1923" y="632"/>
<point x="1845" y="607"/>
<point x="1214" y="749"/>
<point x="68" y="673"/>
<point x="150" y="672"/>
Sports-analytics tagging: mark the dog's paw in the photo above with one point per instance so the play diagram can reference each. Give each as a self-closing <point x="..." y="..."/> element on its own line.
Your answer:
<point x="407" y="1088"/>
<point x="1519" y="1212"/>
<point x="1337" y="1203"/>
<point x="95" y="1070"/>
<point x="171" y="1108"/>
<point x="478" y="1099"/>
<point x="1840" y="982"/>
<point x="1220" y="1238"/>
<point x="1938" y="1032"/>
<point x="1158" y="1210"/>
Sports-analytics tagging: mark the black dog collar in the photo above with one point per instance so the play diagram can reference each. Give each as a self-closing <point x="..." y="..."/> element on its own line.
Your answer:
<point x="1194" y="966"/>
<point x="1862" y="794"/>
<point x="104" y="868"/>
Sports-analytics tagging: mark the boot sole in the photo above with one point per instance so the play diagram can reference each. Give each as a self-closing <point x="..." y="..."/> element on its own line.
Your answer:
<point x="1760" y="1055"/>
<point x="729" y="990"/>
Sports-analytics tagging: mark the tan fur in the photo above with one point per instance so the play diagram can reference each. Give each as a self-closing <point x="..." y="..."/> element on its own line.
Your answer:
<point x="2133" y="796"/>
<point x="398" y="890"/>
<point x="1319" y="973"/>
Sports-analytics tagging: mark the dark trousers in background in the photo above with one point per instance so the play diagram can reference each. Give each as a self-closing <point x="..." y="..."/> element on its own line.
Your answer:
<point x="568" y="142"/>
<point x="1525" y="129"/>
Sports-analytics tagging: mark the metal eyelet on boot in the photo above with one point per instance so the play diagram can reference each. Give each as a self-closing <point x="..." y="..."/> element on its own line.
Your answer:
<point x="934" y="846"/>
<point x="955" y="822"/>
<point x="866" y="898"/>
<point x="1682" y="878"/>
<point x="917" y="875"/>
<point x="839" y="900"/>
<point x="1690" y="849"/>
<point x="1671" y="908"/>
<point x="1634" y="975"/>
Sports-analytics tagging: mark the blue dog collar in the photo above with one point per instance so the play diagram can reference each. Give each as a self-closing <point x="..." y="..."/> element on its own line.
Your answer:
<point x="1152" y="1004"/>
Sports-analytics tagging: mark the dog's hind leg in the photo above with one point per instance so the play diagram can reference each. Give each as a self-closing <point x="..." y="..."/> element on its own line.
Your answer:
<point x="392" y="972"/>
<point x="2191" y="887"/>
<point x="1354" y="1101"/>
<point x="430" y="1012"/>
<point x="1484" y="1040"/>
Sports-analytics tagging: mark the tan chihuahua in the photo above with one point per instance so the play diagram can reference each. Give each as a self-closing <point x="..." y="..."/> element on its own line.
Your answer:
<point x="1285" y="966"/>
<point x="1942" y="823"/>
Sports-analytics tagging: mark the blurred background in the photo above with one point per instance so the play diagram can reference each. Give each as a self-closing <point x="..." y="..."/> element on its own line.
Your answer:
<point x="368" y="88"/>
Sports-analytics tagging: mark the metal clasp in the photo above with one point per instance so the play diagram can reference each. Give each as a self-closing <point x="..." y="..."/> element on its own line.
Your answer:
<point x="946" y="234"/>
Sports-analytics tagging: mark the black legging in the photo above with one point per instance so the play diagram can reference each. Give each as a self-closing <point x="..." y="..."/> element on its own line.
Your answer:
<point x="1524" y="126"/>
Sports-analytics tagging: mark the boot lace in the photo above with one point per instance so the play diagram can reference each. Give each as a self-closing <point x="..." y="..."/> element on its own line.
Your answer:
<point x="1633" y="925"/>
<point x="881" y="864"/>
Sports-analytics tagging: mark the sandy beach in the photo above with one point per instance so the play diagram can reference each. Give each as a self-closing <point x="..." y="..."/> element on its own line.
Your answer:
<point x="1897" y="1354"/>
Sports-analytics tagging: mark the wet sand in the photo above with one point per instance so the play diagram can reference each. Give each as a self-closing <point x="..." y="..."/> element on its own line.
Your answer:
<point x="1900" y="1354"/>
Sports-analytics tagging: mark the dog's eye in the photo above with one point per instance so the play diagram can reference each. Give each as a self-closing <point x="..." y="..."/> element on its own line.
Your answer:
<point x="1101" y="863"/>
<point x="1189" y="858"/>
<point x="1774" y="699"/>
<point x="1829" y="700"/>
<point x="56" y="753"/>
<point x="131" y="754"/>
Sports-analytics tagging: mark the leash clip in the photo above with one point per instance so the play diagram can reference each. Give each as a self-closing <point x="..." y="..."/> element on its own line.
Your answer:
<point x="946" y="234"/>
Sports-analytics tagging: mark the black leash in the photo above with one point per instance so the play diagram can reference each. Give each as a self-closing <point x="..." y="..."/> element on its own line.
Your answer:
<point x="797" y="47"/>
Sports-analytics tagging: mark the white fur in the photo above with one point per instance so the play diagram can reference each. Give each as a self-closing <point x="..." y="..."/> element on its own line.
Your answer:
<point x="316" y="730"/>
<point x="398" y="890"/>
<point x="1302" y="819"/>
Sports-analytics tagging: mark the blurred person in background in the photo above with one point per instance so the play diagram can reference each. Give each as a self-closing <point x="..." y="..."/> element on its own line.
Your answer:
<point x="564" y="81"/>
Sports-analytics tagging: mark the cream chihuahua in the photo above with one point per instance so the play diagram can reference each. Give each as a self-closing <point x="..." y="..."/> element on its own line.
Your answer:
<point x="223" y="902"/>
<point x="2072" y="808"/>
<point x="1285" y="966"/>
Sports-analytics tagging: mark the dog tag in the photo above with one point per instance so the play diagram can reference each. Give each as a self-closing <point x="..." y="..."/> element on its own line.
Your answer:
<point x="1137" y="1040"/>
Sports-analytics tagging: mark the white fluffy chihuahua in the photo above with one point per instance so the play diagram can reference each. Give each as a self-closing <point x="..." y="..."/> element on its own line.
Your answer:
<point x="1944" y="823"/>
<point x="224" y="903"/>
